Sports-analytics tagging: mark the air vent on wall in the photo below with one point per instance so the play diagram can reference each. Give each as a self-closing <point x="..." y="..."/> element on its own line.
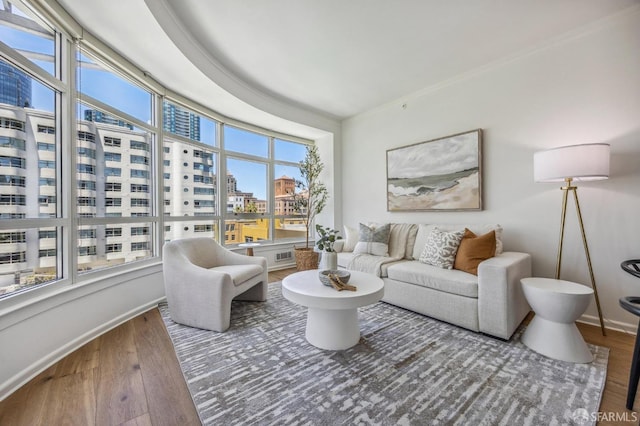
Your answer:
<point x="286" y="255"/>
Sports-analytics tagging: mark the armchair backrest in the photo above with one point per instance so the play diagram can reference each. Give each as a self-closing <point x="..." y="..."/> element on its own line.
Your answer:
<point x="202" y="252"/>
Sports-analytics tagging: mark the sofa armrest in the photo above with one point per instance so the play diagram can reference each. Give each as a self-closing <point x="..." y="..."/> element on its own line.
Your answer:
<point x="501" y="302"/>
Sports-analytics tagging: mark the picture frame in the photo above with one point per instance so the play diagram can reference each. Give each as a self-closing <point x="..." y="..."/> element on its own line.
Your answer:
<point x="443" y="174"/>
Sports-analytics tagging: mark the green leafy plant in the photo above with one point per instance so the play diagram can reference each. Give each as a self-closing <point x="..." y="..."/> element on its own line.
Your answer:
<point x="312" y="195"/>
<point x="327" y="238"/>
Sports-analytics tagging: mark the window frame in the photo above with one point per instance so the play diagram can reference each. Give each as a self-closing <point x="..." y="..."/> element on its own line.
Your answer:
<point x="69" y="36"/>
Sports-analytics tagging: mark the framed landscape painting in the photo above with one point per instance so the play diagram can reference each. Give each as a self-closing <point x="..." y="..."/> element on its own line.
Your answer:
<point x="443" y="174"/>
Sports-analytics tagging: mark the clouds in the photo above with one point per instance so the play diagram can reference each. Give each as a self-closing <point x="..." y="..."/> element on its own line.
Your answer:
<point x="434" y="158"/>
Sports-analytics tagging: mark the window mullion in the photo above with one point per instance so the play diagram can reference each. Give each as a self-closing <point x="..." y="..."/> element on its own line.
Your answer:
<point x="271" y="197"/>
<point x="158" y="183"/>
<point x="222" y="184"/>
<point x="69" y="148"/>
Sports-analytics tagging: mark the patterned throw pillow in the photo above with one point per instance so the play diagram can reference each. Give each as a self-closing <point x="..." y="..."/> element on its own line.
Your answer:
<point x="373" y="240"/>
<point x="441" y="248"/>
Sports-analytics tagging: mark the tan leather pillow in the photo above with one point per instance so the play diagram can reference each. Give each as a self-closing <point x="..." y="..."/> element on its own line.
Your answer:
<point x="473" y="250"/>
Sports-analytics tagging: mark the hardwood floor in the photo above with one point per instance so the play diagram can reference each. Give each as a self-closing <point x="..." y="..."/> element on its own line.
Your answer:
<point x="131" y="376"/>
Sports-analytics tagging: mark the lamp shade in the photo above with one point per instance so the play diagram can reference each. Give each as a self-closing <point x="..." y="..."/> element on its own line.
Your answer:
<point x="578" y="162"/>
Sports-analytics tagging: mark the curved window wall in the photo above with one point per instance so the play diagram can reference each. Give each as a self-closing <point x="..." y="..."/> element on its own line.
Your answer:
<point x="146" y="167"/>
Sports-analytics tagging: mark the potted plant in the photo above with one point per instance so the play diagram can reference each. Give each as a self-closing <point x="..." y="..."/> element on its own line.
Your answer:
<point x="309" y="200"/>
<point x="325" y="243"/>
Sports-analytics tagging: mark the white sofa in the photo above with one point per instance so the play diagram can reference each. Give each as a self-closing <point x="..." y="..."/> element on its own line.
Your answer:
<point x="491" y="302"/>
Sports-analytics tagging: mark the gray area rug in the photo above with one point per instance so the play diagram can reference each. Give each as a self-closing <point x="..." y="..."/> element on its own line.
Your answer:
<point x="408" y="369"/>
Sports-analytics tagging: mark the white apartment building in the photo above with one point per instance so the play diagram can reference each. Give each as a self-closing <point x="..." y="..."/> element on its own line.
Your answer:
<point x="114" y="179"/>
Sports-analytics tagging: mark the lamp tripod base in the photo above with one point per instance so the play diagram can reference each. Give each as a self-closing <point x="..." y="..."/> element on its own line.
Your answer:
<point x="565" y="194"/>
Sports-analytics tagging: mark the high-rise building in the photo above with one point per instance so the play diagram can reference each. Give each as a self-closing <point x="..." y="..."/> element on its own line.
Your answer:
<point x="180" y="121"/>
<point x="101" y="117"/>
<point x="15" y="86"/>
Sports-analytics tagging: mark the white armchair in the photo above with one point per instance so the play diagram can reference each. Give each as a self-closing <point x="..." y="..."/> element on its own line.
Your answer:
<point x="201" y="278"/>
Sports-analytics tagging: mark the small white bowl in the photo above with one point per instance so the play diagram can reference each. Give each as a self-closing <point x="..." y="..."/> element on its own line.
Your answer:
<point x="341" y="273"/>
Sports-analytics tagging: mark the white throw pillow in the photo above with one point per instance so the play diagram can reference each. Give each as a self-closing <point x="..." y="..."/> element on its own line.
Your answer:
<point x="373" y="241"/>
<point x="441" y="248"/>
<point x="350" y="238"/>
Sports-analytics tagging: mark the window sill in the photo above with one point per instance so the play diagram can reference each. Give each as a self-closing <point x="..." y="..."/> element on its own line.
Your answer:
<point x="33" y="302"/>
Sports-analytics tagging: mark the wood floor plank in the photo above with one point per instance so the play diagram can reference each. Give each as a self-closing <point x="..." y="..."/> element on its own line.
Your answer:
<point x="167" y="393"/>
<point x="120" y="391"/>
<point x="84" y="359"/>
<point x="25" y="407"/>
<point x="143" y="420"/>
<point x="75" y="400"/>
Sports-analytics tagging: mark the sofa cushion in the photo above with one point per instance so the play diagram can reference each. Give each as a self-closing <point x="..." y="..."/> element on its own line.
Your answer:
<point x="473" y="250"/>
<point x="441" y="248"/>
<point x="345" y="258"/>
<point x="373" y="240"/>
<point x="424" y="230"/>
<point x="449" y="281"/>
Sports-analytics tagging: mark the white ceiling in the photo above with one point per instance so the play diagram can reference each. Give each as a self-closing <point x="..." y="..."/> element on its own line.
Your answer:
<point x="329" y="58"/>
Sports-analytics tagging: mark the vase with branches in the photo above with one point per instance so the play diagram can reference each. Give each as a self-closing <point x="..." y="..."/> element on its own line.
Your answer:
<point x="309" y="200"/>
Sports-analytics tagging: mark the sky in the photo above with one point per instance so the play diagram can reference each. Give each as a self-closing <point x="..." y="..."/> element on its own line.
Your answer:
<point x="123" y="95"/>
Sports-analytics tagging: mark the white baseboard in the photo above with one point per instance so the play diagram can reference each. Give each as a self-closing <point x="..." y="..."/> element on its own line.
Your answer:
<point x="279" y="266"/>
<point x="28" y="373"/>
<point x="610" y="324"/>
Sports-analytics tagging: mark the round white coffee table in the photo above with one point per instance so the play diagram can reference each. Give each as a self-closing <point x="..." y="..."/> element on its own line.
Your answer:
<point x="557" y="305"/>
<point x="332" y="317"/>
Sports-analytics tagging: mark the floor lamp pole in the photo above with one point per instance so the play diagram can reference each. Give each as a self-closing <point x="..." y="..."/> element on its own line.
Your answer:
<point x="565" y="194"/>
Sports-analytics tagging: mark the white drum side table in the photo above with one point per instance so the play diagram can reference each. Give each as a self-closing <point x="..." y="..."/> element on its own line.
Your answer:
<point x="332" y="316"/>
<point x="557" y="305"/>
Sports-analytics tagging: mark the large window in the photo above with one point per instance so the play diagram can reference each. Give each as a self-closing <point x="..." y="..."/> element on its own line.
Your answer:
<point x="63" y="220"/>
<point x="246" y="142"/>
<point x="246" y="186"/>
<point x="288" y="222"/>
<point x="29" y="148"/>
<point x="254" y="201"/>
<point x="181" y="121"/>
<point x="113" y="117"/>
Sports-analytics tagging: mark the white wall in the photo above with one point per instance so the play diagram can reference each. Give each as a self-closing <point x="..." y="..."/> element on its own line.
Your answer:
<point x="582" y="88"/>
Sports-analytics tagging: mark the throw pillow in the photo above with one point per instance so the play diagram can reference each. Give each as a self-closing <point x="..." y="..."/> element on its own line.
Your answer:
<point x="350" y="238"/>
<point x="441" y="248"/>
<point x="473" y="250"/>
<point x="373" y="240"/>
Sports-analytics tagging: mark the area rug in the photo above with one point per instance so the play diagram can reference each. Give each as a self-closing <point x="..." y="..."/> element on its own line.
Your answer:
<point x="407" y="369"/>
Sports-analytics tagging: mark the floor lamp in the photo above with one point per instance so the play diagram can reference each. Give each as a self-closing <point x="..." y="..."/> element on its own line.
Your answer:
<point x="569" y="164"/>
